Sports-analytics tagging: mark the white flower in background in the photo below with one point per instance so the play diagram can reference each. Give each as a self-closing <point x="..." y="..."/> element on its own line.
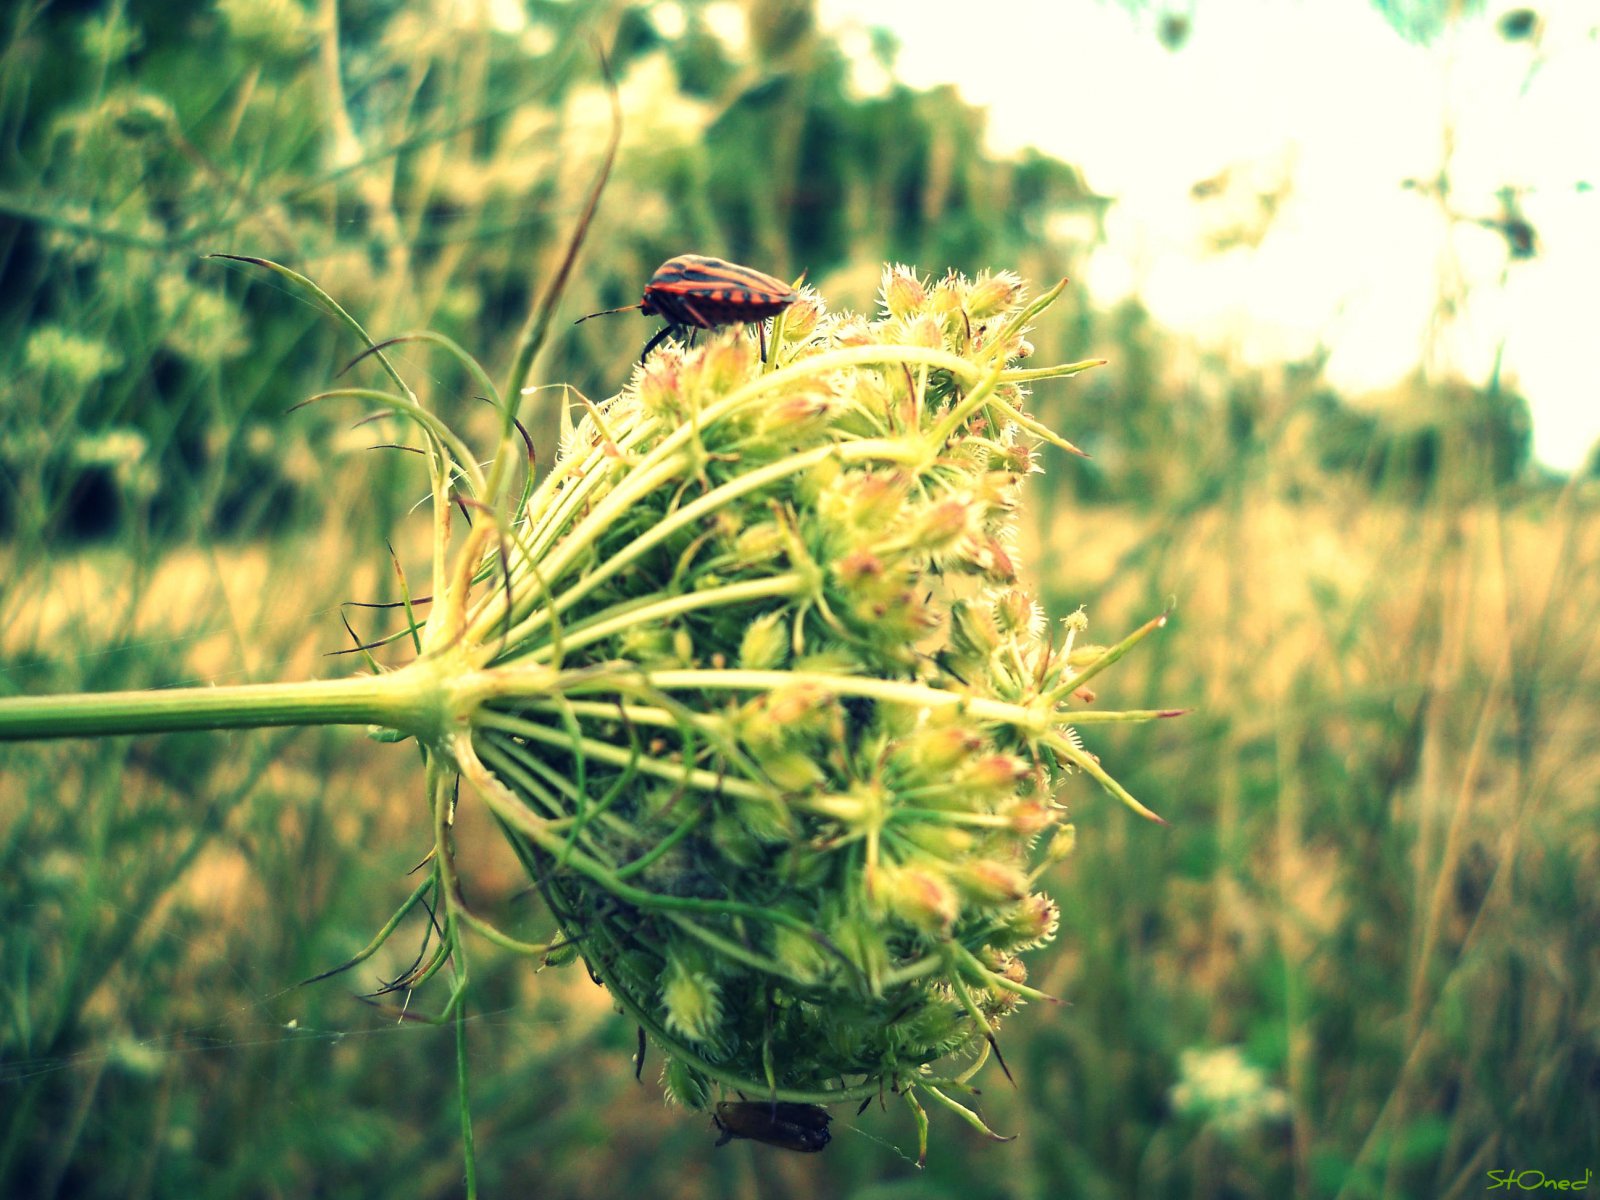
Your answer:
<point x="1223" y="1089"/>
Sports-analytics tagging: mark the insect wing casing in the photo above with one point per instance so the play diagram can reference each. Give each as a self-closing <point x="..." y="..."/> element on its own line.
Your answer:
<point x="789" y="1126"/>
<point x="704" y="293"/>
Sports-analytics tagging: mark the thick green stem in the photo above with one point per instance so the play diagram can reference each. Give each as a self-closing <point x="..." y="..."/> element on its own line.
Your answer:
<point x="408" y="700"/>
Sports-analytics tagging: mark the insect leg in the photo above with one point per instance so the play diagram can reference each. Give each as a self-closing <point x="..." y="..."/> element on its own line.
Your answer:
<point x="656" y="341"/>
<point x="688" y="306"/>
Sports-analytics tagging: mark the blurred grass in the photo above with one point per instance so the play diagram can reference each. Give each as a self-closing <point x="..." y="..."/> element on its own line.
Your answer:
<point x="1378" y="878"/>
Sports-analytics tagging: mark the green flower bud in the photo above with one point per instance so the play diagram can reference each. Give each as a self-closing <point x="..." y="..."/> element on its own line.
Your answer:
<point x="868" y="502"/>
<point x="796" y="417"/>
<point x="973" y="632"/>
<point x="926" y="331"/>
<point x="660" y="387"/>
<point x="997" y="1000"/>
<point x="994" y="776"/>
<point x="1029" y="818"/>
<point x="993" y="294"/>
<point x="1016" y="458"/>
<point x="801" y="956"/>
<point x="859" y="567"/>
<point x="562" y="955"/>
<point x="684" y="1085"/>
<point x="1063" y="842"/>
<point x="985" y="881"/>
<point x="942" y="525"/>
<point x="852" y="331"/>
<point x="789" y="770"/>
<point x="765" y="643"/>
<point x="1031" y="922"/>
<point x="935" y="749"/>
<point x="759" y="543"/>
<point x="1018" y="614"/>
<point x="689" y="1002"/>
<point x="903" y="293"/>
<point x="725" y="363"/>
<point x="862" y="806"/>
<point x="861" y="942"/>
<point x="945" y="300"/>
<point x="801" y="318"/>
<point x="919" y="896"/>
<point x="1082" y="656"/>
<point x="647" y="643"/>
<point x="995" y="562"/>
<point x="936" y="1027"/>
<point x="942" y="841"/>
<point x="683" y="646"/>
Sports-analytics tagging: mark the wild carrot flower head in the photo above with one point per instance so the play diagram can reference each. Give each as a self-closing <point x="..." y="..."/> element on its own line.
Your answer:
<point x="765" y="707"/>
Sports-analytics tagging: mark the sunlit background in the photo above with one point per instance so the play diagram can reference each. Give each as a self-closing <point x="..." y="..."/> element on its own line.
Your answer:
<point x="1275" y="172"/>
<point x="1341" y="259"/>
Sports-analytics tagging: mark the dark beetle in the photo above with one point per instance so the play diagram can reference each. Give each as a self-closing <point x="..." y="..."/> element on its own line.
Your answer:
<point x="692" y="291"/>
<point x="802" y="1127"/>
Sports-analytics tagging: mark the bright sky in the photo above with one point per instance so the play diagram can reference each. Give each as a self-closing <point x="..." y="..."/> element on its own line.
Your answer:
<point x="1323" y="98"/>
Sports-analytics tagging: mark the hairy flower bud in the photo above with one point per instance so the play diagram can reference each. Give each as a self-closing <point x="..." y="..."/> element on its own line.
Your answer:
<point x="1016" y="458"/>
<point x="919" y="896"/>
<point x="903" y="293"/>
<point x="684" y="1085"/>
<point x="765" y="643"/>
<point x="993" y="294"/>
<point x="758" y="543"/>
<point x="1032" y="922"/>
<point x="1031" y="818"/>
<point x="936" y="749"/>
<point x="1018" y="613"/>
<point x="1063" y="841"/>
<point x="995" y="562"/>
<point x="926" y="331"/>
<point x="994" y="776"/>
<point x="989" y="882"/>
<point x="973" y="632"/>
<point x="658" y="386"/>
<point x="942" y="525"/>
<point x="801" y="318"/>
<point x="945" y="300"/>
<point x="797" y="417"/>
<point x="689" y="1002"/>
<point x="800" y="955"/>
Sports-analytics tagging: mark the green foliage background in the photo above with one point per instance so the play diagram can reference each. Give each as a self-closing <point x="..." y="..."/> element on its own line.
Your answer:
<point x="1378" y="880"/>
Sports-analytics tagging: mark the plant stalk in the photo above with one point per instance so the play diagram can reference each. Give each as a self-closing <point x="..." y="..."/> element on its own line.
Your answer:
<point x="408" y="700"/>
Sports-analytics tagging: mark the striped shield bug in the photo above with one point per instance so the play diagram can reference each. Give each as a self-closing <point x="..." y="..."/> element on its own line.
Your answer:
<point x="694" y="292"/>
<point x="781" y="1123"/>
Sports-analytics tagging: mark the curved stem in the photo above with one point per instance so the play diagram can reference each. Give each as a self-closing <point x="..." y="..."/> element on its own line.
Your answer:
<point x="670" y="455"/>
<point x="661" y="609"/>
<point x="916" y="695"/>
<point x="890" y="450"/>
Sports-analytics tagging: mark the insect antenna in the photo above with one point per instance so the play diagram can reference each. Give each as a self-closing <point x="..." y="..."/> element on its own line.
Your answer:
<point x="609" y="311"/>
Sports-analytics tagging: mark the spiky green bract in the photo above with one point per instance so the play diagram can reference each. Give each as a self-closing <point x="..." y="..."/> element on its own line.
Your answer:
<point x="761" y="702"/>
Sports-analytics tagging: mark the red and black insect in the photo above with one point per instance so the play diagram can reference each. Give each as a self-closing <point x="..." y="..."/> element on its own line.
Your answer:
<point x="781" y="1123"/>
<point x="694" y="292"/>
